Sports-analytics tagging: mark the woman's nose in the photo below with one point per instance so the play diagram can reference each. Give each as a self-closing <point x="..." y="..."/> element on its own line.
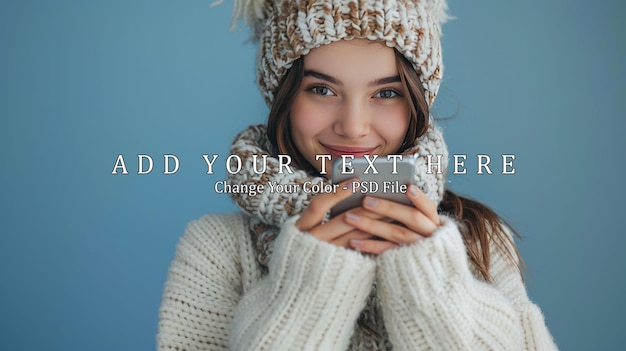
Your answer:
<point x="353" y="121"/>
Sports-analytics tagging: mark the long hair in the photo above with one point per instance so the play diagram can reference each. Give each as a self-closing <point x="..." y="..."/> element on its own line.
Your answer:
<point x="480" y="225"/>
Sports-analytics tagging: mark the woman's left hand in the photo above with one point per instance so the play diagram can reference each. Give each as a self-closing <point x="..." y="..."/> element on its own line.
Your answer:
<point x="404" y="226"/>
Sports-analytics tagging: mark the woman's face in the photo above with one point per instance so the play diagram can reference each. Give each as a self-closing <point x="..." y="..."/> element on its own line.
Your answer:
<point x="350" y="102"/>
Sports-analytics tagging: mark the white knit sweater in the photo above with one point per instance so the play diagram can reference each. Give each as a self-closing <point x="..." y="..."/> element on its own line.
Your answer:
<point x="427" y="298"/>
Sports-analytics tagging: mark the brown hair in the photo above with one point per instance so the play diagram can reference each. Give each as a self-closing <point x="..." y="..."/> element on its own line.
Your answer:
<point x="480" y="225"/>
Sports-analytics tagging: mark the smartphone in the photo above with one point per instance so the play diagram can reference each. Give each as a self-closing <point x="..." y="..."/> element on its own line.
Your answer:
<point x="382" y="177"/>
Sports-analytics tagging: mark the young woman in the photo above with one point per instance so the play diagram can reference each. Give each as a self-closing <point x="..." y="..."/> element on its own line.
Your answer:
<point x="347" y="78"/>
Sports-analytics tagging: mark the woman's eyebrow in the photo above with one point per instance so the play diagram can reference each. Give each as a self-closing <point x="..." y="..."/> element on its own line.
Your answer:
<point x="386" y="80"/>
<point x="326" y="77"/>
<point x="322" y="76"/>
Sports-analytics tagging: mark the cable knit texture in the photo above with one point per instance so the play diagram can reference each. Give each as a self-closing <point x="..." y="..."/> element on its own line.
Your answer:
<point x="218" y="298"/>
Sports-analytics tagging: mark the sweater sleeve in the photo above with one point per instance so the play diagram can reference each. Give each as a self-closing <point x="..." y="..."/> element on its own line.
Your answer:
<point x="310" y="299"/>
<point x="215" y="297"/>
<point x="203" y="287"/>
<point x="431" y="300"/>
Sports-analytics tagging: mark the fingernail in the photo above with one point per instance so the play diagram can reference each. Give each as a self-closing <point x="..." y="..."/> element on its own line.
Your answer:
<point x="370" y="202"/>
<point x="413" y="191"/>
<point x="356" y="243"/>
<point x="352" y="217"/>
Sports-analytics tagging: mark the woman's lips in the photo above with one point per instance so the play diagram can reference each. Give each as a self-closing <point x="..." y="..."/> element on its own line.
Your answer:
<point x="338" y="151"/>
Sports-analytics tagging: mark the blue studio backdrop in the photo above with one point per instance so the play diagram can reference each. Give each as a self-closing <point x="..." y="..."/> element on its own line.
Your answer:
<point x="84" y="253"/>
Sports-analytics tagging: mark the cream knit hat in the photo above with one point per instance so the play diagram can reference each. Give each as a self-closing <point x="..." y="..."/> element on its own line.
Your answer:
<point x="289" y="29"/>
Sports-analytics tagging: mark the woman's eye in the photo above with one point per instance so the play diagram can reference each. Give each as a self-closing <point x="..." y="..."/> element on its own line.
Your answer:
<point x="386" y="94"/>
<point x="322" y="90"/>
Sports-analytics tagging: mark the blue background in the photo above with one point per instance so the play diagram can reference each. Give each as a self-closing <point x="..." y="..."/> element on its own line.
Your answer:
<point x="84" y="254"/>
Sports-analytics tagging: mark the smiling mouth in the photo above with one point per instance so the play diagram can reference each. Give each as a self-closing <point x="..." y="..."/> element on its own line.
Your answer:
<point x="338" y="151"/>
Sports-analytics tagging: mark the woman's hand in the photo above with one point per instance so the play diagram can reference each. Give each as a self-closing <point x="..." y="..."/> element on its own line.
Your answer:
<point x="408" y="224"/>
<point x="337" y="231"/>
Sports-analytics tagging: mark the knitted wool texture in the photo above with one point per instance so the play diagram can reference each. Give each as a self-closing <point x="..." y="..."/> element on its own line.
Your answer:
<point x="216" y="297"/>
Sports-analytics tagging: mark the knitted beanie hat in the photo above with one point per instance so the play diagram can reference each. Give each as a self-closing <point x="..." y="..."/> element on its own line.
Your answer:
<point x="289" y="29"/>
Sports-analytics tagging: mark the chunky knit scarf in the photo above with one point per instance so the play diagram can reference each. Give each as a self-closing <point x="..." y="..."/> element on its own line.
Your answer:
<point x="268" y="210"/>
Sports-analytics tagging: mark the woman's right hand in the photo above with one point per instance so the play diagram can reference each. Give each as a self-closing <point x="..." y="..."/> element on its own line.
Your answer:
<point x="336" y="231"/>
